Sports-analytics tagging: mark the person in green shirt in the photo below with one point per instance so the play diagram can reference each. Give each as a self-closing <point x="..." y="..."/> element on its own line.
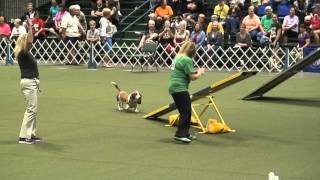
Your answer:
<point x="266" y="23"/>
<point x="181" y="75"/>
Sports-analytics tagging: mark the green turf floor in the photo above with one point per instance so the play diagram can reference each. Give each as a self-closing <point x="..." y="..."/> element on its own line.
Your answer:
<point x="86" y="138"/>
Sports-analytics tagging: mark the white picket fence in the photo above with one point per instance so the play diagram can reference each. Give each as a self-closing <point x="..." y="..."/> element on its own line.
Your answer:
<point x="53" y="51"/>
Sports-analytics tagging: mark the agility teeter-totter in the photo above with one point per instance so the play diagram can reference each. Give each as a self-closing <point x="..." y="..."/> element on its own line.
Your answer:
<point x="203" y="93"/>
<point x="258" y="93"/>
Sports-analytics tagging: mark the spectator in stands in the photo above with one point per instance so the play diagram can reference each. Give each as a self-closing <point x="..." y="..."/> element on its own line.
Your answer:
<point x="29" y="13"/>
<point x="198" y="36"/>
<point x="252" y="23"/>
<point x="290" y="26"/>
<point x="166" y="37"/>
<point x="71" y="31"/>
<point x="303" y="37"/>
<point x="214" y="19"/>
<point x="275" y="32"/>
<point x="315" y="24"/>
<point x="243" y="38"/>
<point x="181" y="34"/>
<point x="202" y="21"/>
<point x="17" y="29"/>
<point x="93" y="34"/>
<point x="113" y="5"/>
<point x="54" y="9"/>
<point x="150" y="35"/>
<point x="5" y="30"/>
<point x="233" y="18"/>
<point x="301" y="7"/>
<point x="59" y="16"/>
<point x="214" y="37"/>
<point x="266" y="23"/>
<point x="221" y="10"/>
<point x="81" y="17"/>
<point x="274" y="39"/>
<point x="38" y="27"/>
<point x="96" y="12"/>
<point x="163" y="12"/>
<point x="194" y="7"/>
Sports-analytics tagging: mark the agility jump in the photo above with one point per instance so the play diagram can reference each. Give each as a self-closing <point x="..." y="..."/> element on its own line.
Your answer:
<point x="203" y="93"/>
<point x="258" y="93"/>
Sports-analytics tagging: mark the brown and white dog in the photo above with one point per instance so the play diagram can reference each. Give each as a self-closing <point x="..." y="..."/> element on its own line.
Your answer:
<point x="127" y="101"/>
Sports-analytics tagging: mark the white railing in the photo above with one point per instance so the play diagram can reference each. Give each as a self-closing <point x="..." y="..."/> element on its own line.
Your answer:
<point x="55" y="51"/>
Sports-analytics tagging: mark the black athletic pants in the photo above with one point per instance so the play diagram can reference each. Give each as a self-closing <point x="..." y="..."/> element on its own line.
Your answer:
<point x="183" y="103"/>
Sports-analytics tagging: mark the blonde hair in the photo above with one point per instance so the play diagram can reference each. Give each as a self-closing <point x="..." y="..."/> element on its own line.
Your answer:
<point x="188" y="48"/>
<point x="106" y="12"/>
<point x="21" y="44"/>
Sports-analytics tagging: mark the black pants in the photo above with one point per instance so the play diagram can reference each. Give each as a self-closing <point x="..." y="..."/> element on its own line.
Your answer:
<point x="183" y="103"/>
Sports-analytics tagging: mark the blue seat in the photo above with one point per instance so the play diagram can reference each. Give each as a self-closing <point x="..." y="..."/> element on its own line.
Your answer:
<point x="283" y="10"/>
<point x="261" y="9"/>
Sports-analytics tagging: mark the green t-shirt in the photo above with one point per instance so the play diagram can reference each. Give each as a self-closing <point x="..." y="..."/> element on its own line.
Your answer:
<point x="266" y="23"/>
<point x="182" y="68"/>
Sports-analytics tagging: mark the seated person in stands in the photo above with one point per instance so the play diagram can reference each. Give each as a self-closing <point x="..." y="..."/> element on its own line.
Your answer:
<point x="5" y="30"/>
<point x="252" y="23"/>
<point x="38" y="27"/>
<point x="303" y="38"/>
<point x="166" y="36"/>
<point x="215" y="18"/>
<point x="315" y="24"/>
<point x="29" y="13"/>
<point x="182" y="34"/>
<point x="17" y="29"/>
<point x="163" y="12"/>
<point x="215" y="37"/>
<point x="96" y="12"/>
<point x="57" y="22"/>
<point x="275" y="32"/>
<point x="194" y="7"/>
<point x="290" y="26"/>
<point x="243" y="38"/>
<point x="202" y="21"/>
<point x="54" y="9"/>
<point x="150" y="35"/>
<point x="233" y="18"/>
<point x="221" y="10"/>
<point x="198" y="36"/>
<point x="266" y="23"/>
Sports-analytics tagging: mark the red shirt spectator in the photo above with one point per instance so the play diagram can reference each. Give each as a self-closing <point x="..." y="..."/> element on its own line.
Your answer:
<point x="38" y="26"/>
<point x="5" y="30"/>
<point x="315" y="22"/>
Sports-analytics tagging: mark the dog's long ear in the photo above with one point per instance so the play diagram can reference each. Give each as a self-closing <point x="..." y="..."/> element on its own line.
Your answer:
<point x="133" y="96"/>
<point x="140" y="99"/>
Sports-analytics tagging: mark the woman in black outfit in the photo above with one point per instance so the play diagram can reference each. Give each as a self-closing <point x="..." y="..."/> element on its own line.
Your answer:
<point x="29" y="86"/>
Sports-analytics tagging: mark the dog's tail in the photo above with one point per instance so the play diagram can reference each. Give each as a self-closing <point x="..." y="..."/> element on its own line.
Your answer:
<point x="115" y="85"/>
